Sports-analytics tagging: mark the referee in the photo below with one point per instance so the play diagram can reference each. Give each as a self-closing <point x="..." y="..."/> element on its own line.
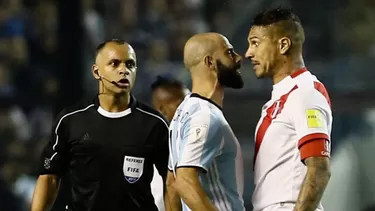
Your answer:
<point x="108" y="146"/>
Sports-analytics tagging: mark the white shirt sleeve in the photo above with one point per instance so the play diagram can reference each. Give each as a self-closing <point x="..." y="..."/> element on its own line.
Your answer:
<point x="201" y="140"/>
<point x="157" y="190"/>
<point x="170" y="166"/>
<point x="311" y="116"/>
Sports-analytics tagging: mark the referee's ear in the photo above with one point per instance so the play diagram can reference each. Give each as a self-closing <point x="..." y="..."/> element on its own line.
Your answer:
<point x="95" y="71"/>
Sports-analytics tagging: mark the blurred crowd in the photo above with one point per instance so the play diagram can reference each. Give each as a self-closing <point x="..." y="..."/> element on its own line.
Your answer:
<point x="339" y="39"/>
<point x="28" y="85"/>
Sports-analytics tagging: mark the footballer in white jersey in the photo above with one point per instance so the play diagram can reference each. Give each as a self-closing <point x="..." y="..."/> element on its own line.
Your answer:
<point x="293" y="136"/>
<point x="205" y="155"/>
<point x="201" y="137"/>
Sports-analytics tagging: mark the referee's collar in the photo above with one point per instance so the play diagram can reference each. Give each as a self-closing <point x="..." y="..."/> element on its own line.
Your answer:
<point x="132" y="104"/>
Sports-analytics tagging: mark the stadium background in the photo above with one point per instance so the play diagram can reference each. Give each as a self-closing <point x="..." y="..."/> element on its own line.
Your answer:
<point x="47" y="48"/>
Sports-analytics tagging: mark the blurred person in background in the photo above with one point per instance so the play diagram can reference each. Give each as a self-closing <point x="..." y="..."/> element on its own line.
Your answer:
<point x="167" y="94"/>
<point x="292" y="138"/>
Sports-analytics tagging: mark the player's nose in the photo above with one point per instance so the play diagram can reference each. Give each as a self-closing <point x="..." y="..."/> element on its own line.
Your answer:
<point x="238" y="58"/>
<point x="249" y="53"/>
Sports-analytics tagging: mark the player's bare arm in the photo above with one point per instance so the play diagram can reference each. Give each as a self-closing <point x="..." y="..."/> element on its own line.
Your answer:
<point x="172" y="199"/>
<point x="46" y="190"/>
<point x="188" y="187"/>
<point x="316" y="180"/>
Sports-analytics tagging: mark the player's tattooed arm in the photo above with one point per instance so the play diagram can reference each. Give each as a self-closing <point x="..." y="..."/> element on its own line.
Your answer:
<point x="316" y="180"/>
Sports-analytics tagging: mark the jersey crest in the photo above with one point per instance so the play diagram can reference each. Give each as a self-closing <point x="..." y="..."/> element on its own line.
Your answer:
<point x="133" y="168"/>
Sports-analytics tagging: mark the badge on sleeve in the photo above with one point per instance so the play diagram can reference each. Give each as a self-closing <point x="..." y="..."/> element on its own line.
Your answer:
<point x="314" y="118"/>
<point x="133" y="168"/>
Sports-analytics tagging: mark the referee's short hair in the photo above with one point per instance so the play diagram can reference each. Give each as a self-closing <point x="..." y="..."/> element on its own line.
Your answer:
<point x="166" y="82"/>
<point x="103" y="44"/>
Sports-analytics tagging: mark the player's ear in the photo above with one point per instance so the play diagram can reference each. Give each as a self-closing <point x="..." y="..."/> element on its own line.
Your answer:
<point x="209" y="62"/>
<point x="284" y="45"/>
<point x="95" y="71"/>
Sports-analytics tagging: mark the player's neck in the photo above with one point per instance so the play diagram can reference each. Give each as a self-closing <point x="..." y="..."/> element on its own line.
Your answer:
<point x="288" y="68"/>
<point x="114" y="103"/>
<point x="210" y="90"/>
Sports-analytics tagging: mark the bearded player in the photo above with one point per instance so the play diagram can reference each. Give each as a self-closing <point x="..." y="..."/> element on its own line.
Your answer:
<point x="292" y="139"/>
<point x="205" y="161"/>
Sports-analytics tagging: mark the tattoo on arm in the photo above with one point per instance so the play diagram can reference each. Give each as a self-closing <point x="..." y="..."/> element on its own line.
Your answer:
<point x="316" y="180"/>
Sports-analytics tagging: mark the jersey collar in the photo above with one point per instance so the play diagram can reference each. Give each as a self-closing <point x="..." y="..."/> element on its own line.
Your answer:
<point x="288" y="82"/>
<point x="204" y="98"/>
<point x="298" y="72"/>
<point x="132" y="104"/>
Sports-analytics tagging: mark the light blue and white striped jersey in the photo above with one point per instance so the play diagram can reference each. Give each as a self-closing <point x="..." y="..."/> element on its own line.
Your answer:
<point x="201" y="137"/>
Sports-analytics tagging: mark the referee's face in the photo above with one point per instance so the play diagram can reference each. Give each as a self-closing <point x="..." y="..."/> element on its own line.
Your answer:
<point x="116" y="67"/>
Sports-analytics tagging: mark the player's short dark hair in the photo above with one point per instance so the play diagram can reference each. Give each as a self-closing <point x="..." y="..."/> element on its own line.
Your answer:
<point x="286" y="20"/>
<point x="273" y="16"/>
<point x="103" y="44"/>
<point x="166" y="82"/>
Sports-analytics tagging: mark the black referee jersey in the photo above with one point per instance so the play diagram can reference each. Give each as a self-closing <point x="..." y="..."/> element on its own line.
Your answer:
<point x="108" y="157"/>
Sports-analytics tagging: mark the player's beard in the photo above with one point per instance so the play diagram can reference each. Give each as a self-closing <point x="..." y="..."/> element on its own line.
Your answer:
<point x="228" y="75"/>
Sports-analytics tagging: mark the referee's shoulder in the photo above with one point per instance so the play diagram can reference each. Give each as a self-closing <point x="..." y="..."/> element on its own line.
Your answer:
<point x="151" y="115"/>
<point x="74" y="109"/>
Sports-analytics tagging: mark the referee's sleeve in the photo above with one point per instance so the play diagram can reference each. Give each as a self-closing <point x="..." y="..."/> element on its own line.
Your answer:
<point x="161" y="153"/>
<point x="54" y="155"/>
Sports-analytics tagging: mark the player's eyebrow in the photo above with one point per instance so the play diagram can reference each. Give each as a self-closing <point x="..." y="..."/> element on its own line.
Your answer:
<point x="252" y="37"/>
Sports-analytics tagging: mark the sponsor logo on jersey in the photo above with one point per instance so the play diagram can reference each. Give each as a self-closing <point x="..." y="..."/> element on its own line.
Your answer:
<point x="314" y="118"/>
<point x="133" y="168"/>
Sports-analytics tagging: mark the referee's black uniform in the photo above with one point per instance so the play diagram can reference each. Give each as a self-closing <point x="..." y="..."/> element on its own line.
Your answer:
<point x="108" y="157"/>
